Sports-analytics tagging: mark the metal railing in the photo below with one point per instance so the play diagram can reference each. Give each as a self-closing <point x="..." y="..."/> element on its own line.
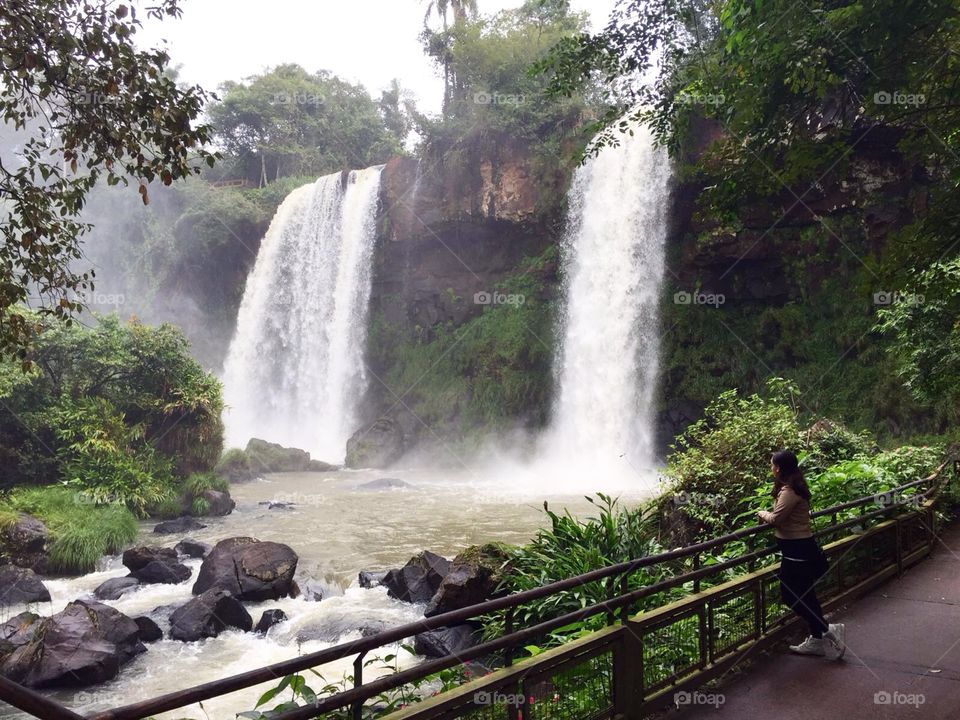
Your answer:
<point x="631" y="666"/>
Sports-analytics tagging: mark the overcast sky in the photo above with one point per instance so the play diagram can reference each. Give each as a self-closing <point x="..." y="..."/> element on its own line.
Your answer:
<point x="363" y="41"/>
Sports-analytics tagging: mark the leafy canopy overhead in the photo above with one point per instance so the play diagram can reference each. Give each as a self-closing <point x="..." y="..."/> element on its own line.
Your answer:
<point x="86" y="105"/>
<point x="289" y="122"/>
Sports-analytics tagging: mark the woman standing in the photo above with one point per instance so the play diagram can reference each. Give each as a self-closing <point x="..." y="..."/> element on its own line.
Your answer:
<point x="802" y="561"/>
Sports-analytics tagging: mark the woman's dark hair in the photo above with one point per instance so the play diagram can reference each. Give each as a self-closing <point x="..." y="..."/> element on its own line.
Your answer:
<point x="790" y="474"/>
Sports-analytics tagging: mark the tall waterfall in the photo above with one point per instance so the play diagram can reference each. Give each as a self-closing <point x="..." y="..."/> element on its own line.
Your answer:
<point x="613" y="263"/>
<point x="295" y="371"/>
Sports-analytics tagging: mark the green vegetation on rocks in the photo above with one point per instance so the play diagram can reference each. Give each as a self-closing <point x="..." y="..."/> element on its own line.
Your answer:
<point x="81" y="529"/>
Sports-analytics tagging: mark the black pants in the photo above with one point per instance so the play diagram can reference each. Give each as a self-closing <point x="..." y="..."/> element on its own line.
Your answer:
<point x="802" y="565"/>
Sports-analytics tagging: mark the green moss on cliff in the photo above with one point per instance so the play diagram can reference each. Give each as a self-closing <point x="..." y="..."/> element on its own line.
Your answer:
<point x="486" y="375"/>
<point x="824" y="341"/>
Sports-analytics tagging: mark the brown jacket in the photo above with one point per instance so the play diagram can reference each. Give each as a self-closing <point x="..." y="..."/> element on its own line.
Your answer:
<point x="790" y="517"/>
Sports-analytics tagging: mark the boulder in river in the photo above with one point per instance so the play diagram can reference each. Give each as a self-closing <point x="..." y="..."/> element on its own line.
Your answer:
<point x="269" y="618"/>
<point x="24" y="543"/>
<point x="149" y="630"/>
<point x="193" y="548"/>
<point x="472" y="578"/>
<point x="113" y="588"/>
<point x="271" y="457"/>
<point x="207" y="615"/>
<point x="86" y="643"/>
<point x="162" y="571"/>
<point x="20" y="585"/>
<point x="375" y="446"/>
<point x="419" y="579"/>
<point x="137" y="557"/>
<point x="445" y="641"/>
<point x="220" y="503"/>
<point x="182" y="524"/>
<point x="249" y="569"/>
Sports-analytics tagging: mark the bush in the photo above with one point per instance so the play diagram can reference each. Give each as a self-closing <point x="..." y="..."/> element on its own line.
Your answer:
<point x="726" y="455"/>
<point x="118" y="412"/>
<point x="909" y="462"/>
<point x="829" y="442"/>
<point x="81" y="529"/>
<point x="572" y="546"/>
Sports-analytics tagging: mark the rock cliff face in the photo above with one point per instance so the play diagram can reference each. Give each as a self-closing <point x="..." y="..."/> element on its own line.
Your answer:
<point x="452" y="225"/>
<point x="794" y="279"/>
<point x="793" y="270"/>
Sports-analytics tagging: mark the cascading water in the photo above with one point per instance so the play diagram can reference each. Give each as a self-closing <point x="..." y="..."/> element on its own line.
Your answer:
<point x="295" y="371"/>
<point x="607" y="363"/>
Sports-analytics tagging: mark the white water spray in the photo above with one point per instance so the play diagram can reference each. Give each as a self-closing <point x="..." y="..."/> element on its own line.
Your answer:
<point x="294" y="372"/>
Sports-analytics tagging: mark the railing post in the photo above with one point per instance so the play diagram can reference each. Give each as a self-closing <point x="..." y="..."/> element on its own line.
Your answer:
<point x="628" y="681"/>
<point x="357" y="707"/>
<point x="703" y="632"/>
<point x="696" y="566"/>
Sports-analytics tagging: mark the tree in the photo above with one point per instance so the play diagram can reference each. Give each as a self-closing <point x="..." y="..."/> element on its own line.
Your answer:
<point x="89" y="105"/>
<point x="290" y="122"/>
<point x="397" y="108"/>
<point x="438" y="44"/>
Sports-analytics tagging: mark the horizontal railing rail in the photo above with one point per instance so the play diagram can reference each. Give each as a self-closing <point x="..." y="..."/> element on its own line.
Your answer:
<point x="616" y="606"/>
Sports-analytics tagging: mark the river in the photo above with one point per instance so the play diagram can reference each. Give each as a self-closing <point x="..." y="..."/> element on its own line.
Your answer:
<point x="337" y="528"/>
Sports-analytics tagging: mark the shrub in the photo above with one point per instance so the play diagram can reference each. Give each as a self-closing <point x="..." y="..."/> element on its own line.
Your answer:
<point x="829" y="442"/>
<point x="193" y="488"/>
<point x="572" y="546"/>
<point x="726" y="454"/>
<point x="119" y="412"/>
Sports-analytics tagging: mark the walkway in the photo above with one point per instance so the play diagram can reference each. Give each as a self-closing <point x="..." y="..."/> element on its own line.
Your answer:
<point x="903" y="647"/>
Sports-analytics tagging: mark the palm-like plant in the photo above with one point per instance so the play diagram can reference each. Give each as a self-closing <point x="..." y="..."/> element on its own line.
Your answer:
<point x="438" y="43"/>
<point x="462" y="11"/>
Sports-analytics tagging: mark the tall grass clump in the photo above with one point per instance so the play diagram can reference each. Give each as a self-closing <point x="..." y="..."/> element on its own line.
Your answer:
<point x="81" y="532"/>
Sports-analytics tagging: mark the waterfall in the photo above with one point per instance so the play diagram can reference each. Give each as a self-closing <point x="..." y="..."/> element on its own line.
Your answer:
<point x="612" y="264"/>
<point x="294" y="371"/>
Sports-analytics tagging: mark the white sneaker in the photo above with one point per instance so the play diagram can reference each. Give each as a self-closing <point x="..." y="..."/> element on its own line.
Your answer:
<point x="834" y="638"/>
<point x="810" y="646"/>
